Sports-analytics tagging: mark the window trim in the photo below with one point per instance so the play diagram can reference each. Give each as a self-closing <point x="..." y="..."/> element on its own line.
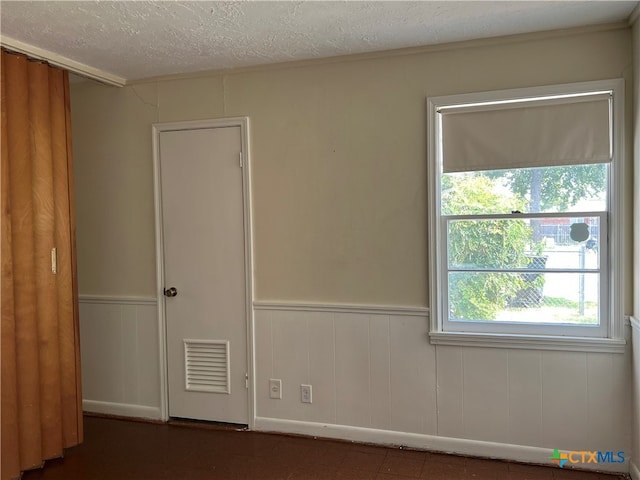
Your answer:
<point x="613" y="336"/>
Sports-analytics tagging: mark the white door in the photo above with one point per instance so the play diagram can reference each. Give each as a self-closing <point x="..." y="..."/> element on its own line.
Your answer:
<point x="204" y="261"/>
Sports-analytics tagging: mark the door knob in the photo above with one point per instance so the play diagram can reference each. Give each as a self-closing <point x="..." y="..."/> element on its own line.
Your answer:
<point x="170" y="292"/>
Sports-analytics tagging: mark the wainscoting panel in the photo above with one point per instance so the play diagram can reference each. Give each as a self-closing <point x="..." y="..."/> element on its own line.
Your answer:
<point x="635" y="455"/>
<point x="376" y="378"/>
<point x="374" y="371"/>
<point x="604" y="424"/>
<point x="120" y="360"/>
<point x="354" y="399"/>
<point x="485" y="395"/>
<point x="564" y="399"/>
<point x="525" y="395"/>
<point x="549" y="399"/>
<point x="413" y="375"/>
<point x="366" y="367"/>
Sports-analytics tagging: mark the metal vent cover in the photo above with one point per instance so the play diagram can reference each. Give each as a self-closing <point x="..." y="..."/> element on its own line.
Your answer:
<point x="207" y="366"/>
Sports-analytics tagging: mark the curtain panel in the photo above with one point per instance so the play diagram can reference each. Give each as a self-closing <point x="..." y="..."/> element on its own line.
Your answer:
<point x="41" y="410"/>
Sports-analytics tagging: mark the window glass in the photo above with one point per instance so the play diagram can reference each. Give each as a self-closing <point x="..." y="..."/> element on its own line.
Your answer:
<point x="533" y="190"/>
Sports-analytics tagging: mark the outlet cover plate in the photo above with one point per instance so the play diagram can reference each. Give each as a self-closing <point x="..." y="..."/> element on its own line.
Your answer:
<point x="305" y="393"/>
<point x="275" y="388"/>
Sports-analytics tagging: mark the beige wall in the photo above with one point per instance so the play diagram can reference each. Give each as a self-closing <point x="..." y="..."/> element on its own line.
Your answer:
<point x="339" y="199"/>
<point x="635" y="455"/>
<point x="338" y="155"/>
<point x="114" y="188"/>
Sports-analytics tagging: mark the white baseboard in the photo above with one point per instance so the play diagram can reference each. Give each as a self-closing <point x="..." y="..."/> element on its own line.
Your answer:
<point x="122" y="409"/>
<point x="476" y="448"/>
<point x="634" y="471"/>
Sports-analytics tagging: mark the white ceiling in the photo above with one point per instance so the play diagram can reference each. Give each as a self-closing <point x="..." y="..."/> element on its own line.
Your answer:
<point x="131" y="40"/>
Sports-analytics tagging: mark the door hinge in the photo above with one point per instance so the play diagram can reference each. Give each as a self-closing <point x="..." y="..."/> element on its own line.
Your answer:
<point x="241" y="163"/>
<point x="246" y="380"/>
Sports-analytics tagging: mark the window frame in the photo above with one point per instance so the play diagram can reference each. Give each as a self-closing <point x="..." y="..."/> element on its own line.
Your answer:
<point x="610" y="336"/>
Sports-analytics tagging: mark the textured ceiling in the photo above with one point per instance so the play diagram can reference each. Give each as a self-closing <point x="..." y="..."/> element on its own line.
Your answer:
<point x="139" y="39"/>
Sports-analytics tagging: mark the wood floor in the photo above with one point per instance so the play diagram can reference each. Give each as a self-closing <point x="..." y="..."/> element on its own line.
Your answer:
<point x="123" y="450"/>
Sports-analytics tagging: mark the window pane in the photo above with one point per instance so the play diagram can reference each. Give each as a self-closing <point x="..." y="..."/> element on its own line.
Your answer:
<point x="568" y="298"/>
<point x="549" y="242"/>
<point x="529" y="190"/>
<point x="488" y="243"/>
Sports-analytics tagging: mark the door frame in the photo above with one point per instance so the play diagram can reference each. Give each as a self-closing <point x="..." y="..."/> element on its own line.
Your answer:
<point x="157" y="129"/>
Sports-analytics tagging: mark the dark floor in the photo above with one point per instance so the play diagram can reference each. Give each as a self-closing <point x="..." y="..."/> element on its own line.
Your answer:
<point x="122" y="450"/>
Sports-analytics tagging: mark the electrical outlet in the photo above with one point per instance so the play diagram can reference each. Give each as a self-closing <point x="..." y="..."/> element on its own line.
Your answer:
<point x="305" y="393"/>
<point x="275" y="388"/>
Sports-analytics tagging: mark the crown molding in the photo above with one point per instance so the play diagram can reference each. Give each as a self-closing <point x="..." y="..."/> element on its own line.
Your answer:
<point x="398" y="52"/>
<point x="62" y="62"/>
<point x="635" y="14"/>
<point x="115" y="80"/>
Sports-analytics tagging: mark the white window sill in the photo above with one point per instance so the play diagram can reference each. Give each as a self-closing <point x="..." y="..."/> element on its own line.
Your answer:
<point x="529" y="342"/>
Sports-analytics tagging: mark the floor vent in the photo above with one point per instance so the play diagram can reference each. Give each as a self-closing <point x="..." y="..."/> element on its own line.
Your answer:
<point x="207" y="366"/>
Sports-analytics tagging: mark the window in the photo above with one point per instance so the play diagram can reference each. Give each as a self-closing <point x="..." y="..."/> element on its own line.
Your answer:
<point x="525" y="224"/>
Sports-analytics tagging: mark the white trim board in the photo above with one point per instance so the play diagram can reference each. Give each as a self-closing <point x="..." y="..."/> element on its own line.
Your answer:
<point x="341" y="308"/>
<point x="116" y="300"/>
<point x="475" y="448"/>
<point x="398" y="52"/>
<point x="121" y="409"/>
<point x="634" y="469"/>
<point x="66" y="63"/>
<point x="635" y="15"/>
<point x="105" y="77"/>
<point x="530" y="342"/>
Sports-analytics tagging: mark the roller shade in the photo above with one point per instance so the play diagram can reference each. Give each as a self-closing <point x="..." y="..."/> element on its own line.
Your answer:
<point x="528" y="133"/>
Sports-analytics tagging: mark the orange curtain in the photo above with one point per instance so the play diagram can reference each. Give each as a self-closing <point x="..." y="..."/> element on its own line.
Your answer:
<point x="41" y="410"/>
